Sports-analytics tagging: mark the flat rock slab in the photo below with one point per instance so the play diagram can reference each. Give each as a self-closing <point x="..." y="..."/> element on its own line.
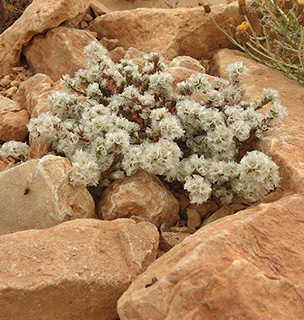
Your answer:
<point x="76" y="270"/>
<point x="38" y="194"/>
<point x="171" y="32"/>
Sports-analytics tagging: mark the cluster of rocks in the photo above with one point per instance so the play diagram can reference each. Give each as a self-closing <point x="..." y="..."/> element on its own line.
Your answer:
<point x="64" y="256"/>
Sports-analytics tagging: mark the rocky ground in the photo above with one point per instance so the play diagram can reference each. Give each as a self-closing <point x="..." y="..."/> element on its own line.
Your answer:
<point x="140" y="250"/>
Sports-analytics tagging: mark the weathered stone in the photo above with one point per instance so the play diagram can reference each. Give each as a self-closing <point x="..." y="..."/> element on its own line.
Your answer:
<point x="13" y="125"/>
<point x="38" y="194"/>
<point x="142" y="195"/>
<point x="188" y="63"/>
<point x="168" y="240"/>
<point x="220" y="213"/>
<point x="63" y="45"/>
<point x="76" y="270"/>
<point x="117" y="54"/>
<point x="41" y="15"/>
<point x="247" y="266"/>
<point x="176" y="32"/>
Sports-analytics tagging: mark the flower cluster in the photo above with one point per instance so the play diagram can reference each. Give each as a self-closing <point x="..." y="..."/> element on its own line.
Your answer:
<point x="113" y="119"/>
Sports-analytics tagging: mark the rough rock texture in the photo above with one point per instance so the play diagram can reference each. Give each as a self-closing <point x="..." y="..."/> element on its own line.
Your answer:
<point x="37" y="194"/>
<point x="13" y="120"/>
<point x="140" y="195"/>
<point x="61" y="45"/>
<point x="247" y="266"/>
<point x="76" y="270"/>
<point x="32" y="95"/>
<point x="188" y="32"/>
<point x="188" y="63"/>
<point x="41" y="15"/>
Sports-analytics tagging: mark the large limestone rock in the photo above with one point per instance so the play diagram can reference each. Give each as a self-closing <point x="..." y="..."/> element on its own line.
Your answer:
<point x="41" y="15"/>
<point x="171" y="32"/>
<point x="247" y="266"/>
<point x="13" y="120"/>
<point x="140" y="195"/>
<point x="58" y="52"/>
<point x="37" y="194"/>
<point x="76" y="270"/>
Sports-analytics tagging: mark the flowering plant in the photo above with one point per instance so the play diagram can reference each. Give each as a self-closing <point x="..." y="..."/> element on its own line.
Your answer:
<point x="272" y="33"/>
<point x="113" y="119"/>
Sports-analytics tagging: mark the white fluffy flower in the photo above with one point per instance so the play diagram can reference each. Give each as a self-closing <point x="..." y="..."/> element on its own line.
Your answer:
<point x="15" y="149"/>
<point x="44" y="127"/>
<point x="85" y="168"/>
<point x="199" y="189"/>
<point x="236" y="69"/>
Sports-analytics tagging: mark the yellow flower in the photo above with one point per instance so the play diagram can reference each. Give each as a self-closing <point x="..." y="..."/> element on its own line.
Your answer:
<point x="301" y="3"/>
<point x="242" y="28"/>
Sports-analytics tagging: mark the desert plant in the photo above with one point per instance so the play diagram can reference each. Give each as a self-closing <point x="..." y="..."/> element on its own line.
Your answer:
<point x="113" y="119"/>
<point x="272" y="33"/>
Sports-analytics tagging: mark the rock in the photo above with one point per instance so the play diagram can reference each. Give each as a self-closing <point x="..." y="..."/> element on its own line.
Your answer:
<point x="13" y="125"/>
<point x="76" y="270"/>
<point x="188" y="63"/>
<point x="224" y="211"/>
<point x="117" y="54"/>
<point x="63" y="45"/>
<point x="193" y="219"/>
<point x="177" y="32"/>
<point x="141" y="195"/>
<point x="8" y="105"/>
<point x="168" y="240"/>
<point x="38" y="195"/>
<point x="109" y="44"/>
<point x="204" y="276"/>
<point x="41" y="15"/>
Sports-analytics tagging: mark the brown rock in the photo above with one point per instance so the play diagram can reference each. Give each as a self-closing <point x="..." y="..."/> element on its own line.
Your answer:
<point x="38" y="195"/>
<point x="63" y="45"/>
<point x="193" y="219"/>
<point x="13" y="125"/>
<point x="117" y="54"/>
<point x="168" y="240"/>
<point x="220" y="213"/>
<point x="76" y="270"/>
<point x="142" y="195"/>
<point x="248" y="266"/>
<point x="188" y="32"/>
<point x="41" y="15"/>
<point x="188" y="63"/>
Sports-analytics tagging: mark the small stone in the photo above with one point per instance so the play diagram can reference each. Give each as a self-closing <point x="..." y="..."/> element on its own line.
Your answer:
<point x="194" y="219"/>
<point x="10" y="92"/>
<point x="83" y="24"/>
<point x="170" y="239"/>
<point x="87" y="17"/>
<point x="18" y="69"/>
<point x="220" y="213"/>
<point x="15" y="83"/>
<point x="117" y="54"/>
<point x="5" y="81"/>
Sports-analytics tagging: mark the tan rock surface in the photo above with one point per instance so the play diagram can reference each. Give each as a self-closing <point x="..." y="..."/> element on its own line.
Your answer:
<point x="188" y="63"/>
<point x="140" y="195"/>
<point x="58" y="52"/>
<point x="174" y="32"/>
<point x="247" y="266"/>
<point x="37" y="194"/>
<point x="76" y="270"/>
<point x="41" y="15"/>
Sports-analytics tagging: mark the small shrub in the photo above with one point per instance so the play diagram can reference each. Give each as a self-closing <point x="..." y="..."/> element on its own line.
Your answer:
<point x="113" y="119"/>
<point x="273" y="34"/>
